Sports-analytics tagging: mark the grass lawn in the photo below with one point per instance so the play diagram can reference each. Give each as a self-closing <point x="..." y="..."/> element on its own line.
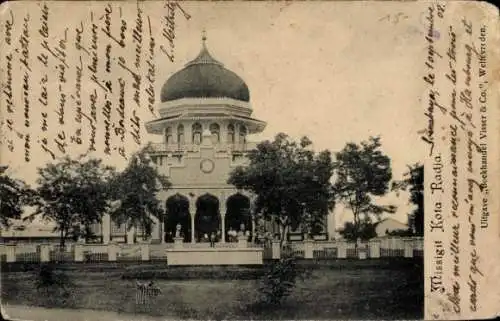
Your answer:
<point x="344" y="290"/>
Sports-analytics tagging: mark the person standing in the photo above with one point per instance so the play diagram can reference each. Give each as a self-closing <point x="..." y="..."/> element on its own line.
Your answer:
<point x="212" y="239"/>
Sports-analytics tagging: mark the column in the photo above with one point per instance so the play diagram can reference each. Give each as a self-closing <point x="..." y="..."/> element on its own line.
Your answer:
<point x="223" y="209"/>
<point x="145" y="252"/>
<point x="112" y="248"/>
<point x="276" y="250"/>
<point x="192" y="213"/>
<point x="253" y="217"/>
<point x="330" y="219"/>
<point x="44" y="252"/>
<point x="11" y="252"/>
<point x="130" y="235"/>
<point x="106" y="229"/>
<point x="341" y="250"/>
<point x="374" y="249"/>
<point x="408" y="243"/>
<point x="78" y="253"/>
<point x="308" y="248"/>
<point x="162" y="231"/>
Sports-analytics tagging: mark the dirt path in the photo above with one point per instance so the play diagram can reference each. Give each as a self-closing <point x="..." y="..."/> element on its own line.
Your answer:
<point x="19" y="312"/>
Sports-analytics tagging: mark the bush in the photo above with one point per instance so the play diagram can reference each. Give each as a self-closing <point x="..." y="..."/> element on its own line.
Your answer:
<point x="279" y="281"/>
<point x="53" y="285"/>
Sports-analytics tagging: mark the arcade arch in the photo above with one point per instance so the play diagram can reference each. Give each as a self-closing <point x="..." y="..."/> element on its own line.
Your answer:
<point x="177" y="212"/>
<point x="237" y="214"/>
<point x="207" y="217"/>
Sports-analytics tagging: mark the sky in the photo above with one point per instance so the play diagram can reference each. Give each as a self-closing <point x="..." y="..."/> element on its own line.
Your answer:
<point x="336" y="72"/>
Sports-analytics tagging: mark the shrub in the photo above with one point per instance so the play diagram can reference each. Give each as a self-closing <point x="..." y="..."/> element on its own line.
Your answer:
<point x="279" y="281"/>
<point x="53" y="285"/>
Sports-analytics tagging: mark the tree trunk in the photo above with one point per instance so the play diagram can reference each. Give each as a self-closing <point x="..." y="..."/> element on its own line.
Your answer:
<point x="283" y="229"/>
<point x="62" y="241"/>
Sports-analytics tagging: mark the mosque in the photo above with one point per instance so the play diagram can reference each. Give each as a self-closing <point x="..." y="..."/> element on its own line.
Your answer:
<point x="205" y="121"/>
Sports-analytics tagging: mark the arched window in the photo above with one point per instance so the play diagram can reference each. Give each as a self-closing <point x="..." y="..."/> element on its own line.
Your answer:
<point x="243" y="134"/>
<point x="168" y="135"/>
<point x="215" y="132"/>
<point x="180" y="134"/>
<point x="197" y="133"/>
<point x="230" y="134"/>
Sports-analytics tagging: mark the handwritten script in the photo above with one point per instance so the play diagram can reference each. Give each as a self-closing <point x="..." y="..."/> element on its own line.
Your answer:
<point x="456" y="109"/>
<point x="84" y="84"/>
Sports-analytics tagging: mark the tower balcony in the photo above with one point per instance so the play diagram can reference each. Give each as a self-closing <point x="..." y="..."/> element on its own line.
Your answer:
<point x="236" y="148"/>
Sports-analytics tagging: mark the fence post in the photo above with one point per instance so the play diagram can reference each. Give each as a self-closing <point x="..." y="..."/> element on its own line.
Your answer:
<point x="308" y="248"/>
<point x="145" y="252"/>
<point x="341" y="250"/>
<point x="374" y="249"/>
<point x="131" y="235"/>
<point x="408" y="243"/>
<point x="362" y="251"/>
<point x="106" y="229"/>
<point x="11" y="252"/>
<point x="276" y="250"/>
<point x="44" y="253"/>
<point x="78" y="252"/>
<point x="112" y="252"/>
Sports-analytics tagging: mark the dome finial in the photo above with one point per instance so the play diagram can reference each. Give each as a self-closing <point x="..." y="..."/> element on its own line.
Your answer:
<point x="204" y="37"/>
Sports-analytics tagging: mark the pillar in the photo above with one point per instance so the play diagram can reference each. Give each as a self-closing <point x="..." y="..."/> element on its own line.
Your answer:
<point x="130" y="235"/>
<point x="276" y="250"/>
<point x="330" y="223"/>
<point x="78" y="253"/>
<point x="362" y="251"/>
<point x="341" y="250"/>
<point x="145" y="252"/>
<point x="374" y="249"/>
<point x="192" y="214"/>
<point x="44" y="252"/>
<point x="161" y="230"/>
<point x="223" y="209"/>
<point x="408" y="243"/>
<point x="106" y="229"/>
<point x="112" y="249"/>
<point x="252" y="215"/>
<point x="308" y="248"/>
<point x="11" y="252"/>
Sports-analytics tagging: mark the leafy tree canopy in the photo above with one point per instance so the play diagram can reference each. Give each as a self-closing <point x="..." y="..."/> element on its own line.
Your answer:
<point x="365" y="231"/>
<point x="362" y="171"/>
<point x="73" y="193"/>
<point x="14" y="195"/>
<point x="413" y="181"/>
<point x="135" y="192"/>
<point x="290" y="180"/>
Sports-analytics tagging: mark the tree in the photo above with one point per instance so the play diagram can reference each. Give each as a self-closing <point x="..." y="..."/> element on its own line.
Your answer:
<point x="362" y="172"/>
<point x="413" y="181"/>
<point x="14" y="195"/>
<point x="73" y="193"/>
<point x="291" y="183"/>
<point x="135" y="192"/>
<point x="365" y="231"/>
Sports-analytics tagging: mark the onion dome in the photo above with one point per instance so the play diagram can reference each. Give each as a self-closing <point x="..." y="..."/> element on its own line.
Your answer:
<point x="204" y="77"/>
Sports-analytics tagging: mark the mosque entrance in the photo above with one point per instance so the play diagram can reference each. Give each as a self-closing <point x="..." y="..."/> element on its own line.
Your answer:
<point x="207" y="219"/>
<point x="177" y="213"/>
<point x="237" y="216"/>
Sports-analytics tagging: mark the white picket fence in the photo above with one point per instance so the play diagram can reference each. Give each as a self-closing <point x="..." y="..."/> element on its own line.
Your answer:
<point x="309" y="249"/>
